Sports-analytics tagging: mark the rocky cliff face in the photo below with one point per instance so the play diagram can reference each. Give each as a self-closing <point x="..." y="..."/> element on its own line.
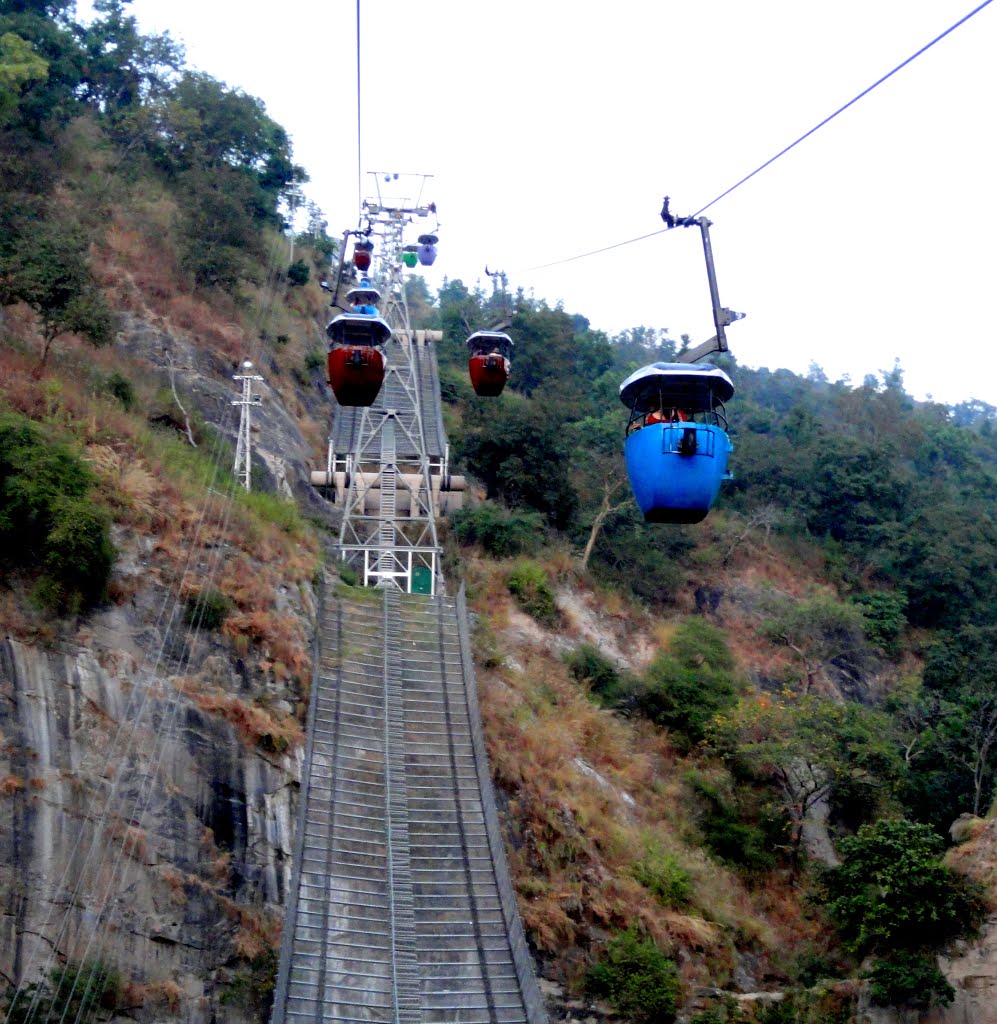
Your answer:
<point x="148" y="770"/>
<point x="137" y="825"/>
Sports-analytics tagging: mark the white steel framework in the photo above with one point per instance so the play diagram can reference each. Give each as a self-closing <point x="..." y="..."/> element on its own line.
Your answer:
<point x="388" y="530"/>
<point x="243" y="465"/>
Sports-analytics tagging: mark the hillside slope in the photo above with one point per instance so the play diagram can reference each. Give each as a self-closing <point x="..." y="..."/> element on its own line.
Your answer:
<point x="696" y="735"/>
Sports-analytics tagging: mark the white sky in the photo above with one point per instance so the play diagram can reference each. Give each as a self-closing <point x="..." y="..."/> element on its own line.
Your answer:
<point x="555" y="127"/>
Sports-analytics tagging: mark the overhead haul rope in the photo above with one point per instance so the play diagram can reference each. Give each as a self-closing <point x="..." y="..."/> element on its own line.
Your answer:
<point x="359" y="163"/>
<point x="782" y="152"/>
<point x="132" y="720"/>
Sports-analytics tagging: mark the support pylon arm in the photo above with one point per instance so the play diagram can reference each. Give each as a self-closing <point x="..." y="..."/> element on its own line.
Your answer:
<point x="722" y="316"/>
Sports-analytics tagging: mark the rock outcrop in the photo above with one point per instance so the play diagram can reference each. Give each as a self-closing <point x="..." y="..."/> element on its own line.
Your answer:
<point x="139" y="824"/>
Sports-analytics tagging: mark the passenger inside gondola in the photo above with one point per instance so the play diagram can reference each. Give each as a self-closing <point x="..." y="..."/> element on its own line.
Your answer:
<point x="663" y="414"/>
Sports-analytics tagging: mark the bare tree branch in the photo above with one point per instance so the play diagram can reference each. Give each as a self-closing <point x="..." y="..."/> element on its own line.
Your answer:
<point x="176" y="398"/>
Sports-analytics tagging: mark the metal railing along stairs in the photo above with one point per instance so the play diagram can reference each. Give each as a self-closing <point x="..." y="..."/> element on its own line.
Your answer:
<point x="401" y="908"/>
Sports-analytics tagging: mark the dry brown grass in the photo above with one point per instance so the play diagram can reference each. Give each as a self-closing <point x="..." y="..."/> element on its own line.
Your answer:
<point x="133" y="841"/>
<point x="255" y="726"/>
<point x="176" y="882"/>
<point x="167" y="994"/>
<point x="11" y="784"/>
<point x="576" y="835"/>
<point x="258" y="929"/>
<point x="976" y="858"/>
<point x="131" y="487"/>
<point x="280" y="641"/>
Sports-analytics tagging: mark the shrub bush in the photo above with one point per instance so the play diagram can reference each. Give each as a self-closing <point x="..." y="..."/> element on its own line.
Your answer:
<point x="686" y="685"/>
<point x="637" y="978"/>
<point x="252" y="988"/>
<point x="528" y="583"/>
<point x="589" y="665"/>
<point x="728" y="832"/>
<point x="74" y="992"/>
<point x="207" y="609"/>
<point x="909" y="979"/>
<point x="499" y="531"/>
<point x="48" y="524"/>
<point x="121" y="388"/>
<point x="661" y="874"/>
<point x="298" y="273"/>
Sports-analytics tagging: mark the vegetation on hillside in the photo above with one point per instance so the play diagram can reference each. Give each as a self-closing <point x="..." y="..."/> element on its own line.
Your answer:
<point x="825" y="644"/>
<point x="135" y="192"/>
<point x="879" y="508"/>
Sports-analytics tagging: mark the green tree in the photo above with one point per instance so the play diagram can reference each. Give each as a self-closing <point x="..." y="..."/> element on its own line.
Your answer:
<point x="597" y="466"/>
<point x="959" y="744"/>
<point x="230" y="166"/>
<point x="123" y="68"/>
<point x="20" y="66"/>
<point x="817" y="631"/>
<point x="47" y="268"/>
<point x="883" y="619"/>
<point x="519" y="451"/>
<point x="645" y="560"/>
<point x="909" y="978"/>
<point x="44" y="101"/>
<point x="892" y="891"/>
<point x="812" y="749"/>
<point x="202" y="124"/>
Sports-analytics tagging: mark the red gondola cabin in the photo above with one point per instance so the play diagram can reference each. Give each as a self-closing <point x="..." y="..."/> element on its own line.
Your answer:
<point x="356" y="359"/>
<point x="362" y="252"/>
<point x="489" y="363"/>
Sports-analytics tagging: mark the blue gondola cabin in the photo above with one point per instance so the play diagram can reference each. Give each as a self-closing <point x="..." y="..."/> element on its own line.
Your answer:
<point x="677" y="445"/>
<point x="426" y="252"/>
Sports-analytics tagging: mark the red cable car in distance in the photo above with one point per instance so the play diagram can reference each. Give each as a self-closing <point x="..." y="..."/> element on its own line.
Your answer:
<point x="356" y="356"/>
<point x="363" y="249"/>
<point x="489" y="363"/>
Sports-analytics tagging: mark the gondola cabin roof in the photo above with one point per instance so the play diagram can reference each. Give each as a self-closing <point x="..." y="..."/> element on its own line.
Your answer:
<point x="358" y="329"/>
<point x="364" y="295"/>
<point x="488" y="341"/>
<point x="690" y="385"/>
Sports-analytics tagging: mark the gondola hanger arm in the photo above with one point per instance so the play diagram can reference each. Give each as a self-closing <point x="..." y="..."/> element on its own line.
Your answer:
<point x="722" y="316"/>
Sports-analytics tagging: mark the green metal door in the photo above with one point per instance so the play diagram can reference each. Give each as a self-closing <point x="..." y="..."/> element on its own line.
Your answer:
<point x="422" y="580"/>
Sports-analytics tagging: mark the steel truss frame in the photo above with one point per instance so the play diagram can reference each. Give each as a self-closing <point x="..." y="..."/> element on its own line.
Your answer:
<point x="386" y="548"/>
